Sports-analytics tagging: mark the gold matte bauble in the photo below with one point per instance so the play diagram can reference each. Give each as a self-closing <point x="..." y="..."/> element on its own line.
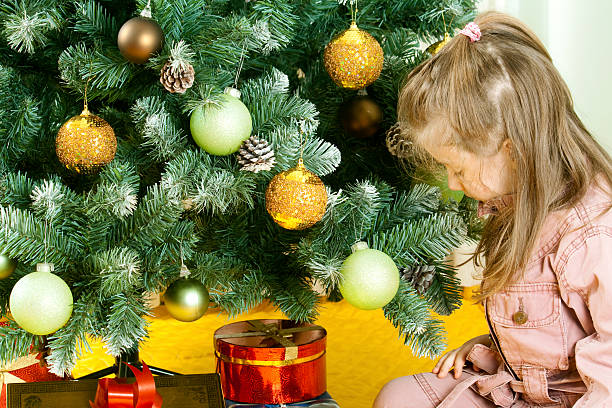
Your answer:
<point x="361" y="117"/>
<point x="85" y="143"/>
<point x="353" y="59"/>
<point x="7" y="266"/>
<point x="296" y="198"/>
<point x="186" y="299"/>
<point x="139" y="38"/>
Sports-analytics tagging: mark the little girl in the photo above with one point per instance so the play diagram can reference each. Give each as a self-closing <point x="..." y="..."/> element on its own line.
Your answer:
<point x="492" y="108"/>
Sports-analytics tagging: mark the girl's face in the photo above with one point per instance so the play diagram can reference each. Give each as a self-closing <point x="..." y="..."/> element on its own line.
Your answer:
<point x="481" y="178"/>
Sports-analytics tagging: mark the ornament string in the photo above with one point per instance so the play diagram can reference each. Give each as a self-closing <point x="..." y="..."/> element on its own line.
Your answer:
<point x="301" y="144"/>
<point x="85" y="107"/>
<point x="45" y="237"/>
<point x="184" y="270"/>
<point x="240" y="64"/>
<point x="354" y="10"/>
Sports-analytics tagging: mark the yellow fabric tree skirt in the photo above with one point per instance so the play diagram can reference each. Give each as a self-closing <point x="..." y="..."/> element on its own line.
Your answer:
<point x="363" y="349"/>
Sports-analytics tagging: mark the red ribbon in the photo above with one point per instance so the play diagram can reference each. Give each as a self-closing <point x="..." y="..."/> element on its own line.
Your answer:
<point x="116" y="393"/>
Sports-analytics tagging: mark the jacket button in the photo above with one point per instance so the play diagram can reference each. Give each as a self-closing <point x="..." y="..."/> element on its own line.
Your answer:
<point x="520" y="317"/>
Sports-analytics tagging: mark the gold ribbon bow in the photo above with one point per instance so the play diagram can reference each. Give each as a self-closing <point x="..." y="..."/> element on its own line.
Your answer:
<point x="278" y="334"/>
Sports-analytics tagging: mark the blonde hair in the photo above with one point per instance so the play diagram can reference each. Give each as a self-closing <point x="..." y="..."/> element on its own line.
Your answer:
<point x="505" y="86"/>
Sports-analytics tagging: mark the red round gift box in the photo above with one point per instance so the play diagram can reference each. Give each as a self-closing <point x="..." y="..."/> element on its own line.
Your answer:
<point x="259" y="370"/>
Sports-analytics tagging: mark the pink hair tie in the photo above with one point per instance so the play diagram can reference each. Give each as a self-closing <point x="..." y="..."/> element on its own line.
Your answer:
<point x="472" y="31"/>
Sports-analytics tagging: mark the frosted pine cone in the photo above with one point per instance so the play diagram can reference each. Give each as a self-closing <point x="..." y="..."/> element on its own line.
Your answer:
<point x="419" y="276"/>
<point x="398" y="146"/>
<point x="177" y="78"/>
<point x="256" y="155"/>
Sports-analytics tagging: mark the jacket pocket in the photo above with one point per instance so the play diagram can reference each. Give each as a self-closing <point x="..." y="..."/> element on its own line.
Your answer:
<point x="528" y="322"/>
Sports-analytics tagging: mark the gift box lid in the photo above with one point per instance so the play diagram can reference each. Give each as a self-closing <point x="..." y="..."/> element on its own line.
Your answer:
<point x="184" y="391"/>
<point x="270" y="340"/>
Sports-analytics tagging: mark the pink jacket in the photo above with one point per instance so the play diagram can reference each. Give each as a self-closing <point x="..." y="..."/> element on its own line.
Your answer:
<point x="554" y="327"/>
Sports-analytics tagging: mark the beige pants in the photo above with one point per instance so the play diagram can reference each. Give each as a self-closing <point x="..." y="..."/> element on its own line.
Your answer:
<point x="426" y="390"/>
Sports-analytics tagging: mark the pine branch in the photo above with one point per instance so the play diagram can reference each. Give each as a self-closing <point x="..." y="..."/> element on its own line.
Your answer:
<point x="223" y="191"/>
<point x="68" y="343"/>
<point x="280" y="18"/>
<point x="119" y="271"/>
<point x="319" y="156"/>
<point x="409" y="313"/>
<point x="323" y="267"/>
<point x="179" y="19"/>
<point x="428" y="238"/>
<point x="272" y="107"/>
<point x="223" y="41"/>
<point x="23" y="238"/>
<point x="15" y="342"/>
<point x="240" y="295"/>
<point x="91" y="18"/>
<point x="215" y="269"/>
<point x="295" y="298"/>
<point x="116" y="196"/>
<point x="350" y="214"/>
<point x="15" y="190"/>
<point x="444" y="295"/>
<point x="421" y="200"/>
<point x="126" y="325"/>
<point x="27" y="24"/>
<point x="184" y="172"/>
<point x="163" y="138"/>
<point x="106" y="70"/>
<point x="155" y="214"/>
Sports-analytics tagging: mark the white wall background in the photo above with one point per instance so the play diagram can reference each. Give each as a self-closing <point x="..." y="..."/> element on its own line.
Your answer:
<point x="577" y="35"/>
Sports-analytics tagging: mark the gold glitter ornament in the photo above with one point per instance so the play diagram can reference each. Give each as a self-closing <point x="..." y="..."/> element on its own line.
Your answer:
<point x="437" y="46"/>
<point x="353" y="59"/>
<point x="85" y="143"/>
<point x="296" y="198"/>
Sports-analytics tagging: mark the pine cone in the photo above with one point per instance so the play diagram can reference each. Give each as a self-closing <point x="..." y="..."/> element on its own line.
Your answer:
<point x="397" y="145"/>
<point x="177" y="78"/>
<point x="256" y="155"/>
<point x="419" y="276"/>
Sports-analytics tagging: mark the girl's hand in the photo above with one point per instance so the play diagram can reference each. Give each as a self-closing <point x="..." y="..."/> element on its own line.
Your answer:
<point x="457" y="357"/>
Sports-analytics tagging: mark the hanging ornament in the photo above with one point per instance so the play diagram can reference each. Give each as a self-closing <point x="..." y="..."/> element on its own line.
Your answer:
<point x="7" y="266"/>
<point x="186" y="298"/>
<point x="256" y="155"/>
<point x="370" y="278"/>
<point x="296" y="198"/>
<point x="398" y="145"/>
<point x="353" y="59"/>
<point x="41" y="302"/>
<point x="140" y="37"/>
<point x="361" y="117"/>
<point x="177" y="80"/>
<point x="85" y="143"/>
<point x="221" y="129"/>
<point x="437" y="46"/>
<point x="178" y="74"/>
<point x="419" y="276"/>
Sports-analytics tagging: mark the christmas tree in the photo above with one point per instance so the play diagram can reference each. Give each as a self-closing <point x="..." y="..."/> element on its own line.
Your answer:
<point x="117" y="230"/>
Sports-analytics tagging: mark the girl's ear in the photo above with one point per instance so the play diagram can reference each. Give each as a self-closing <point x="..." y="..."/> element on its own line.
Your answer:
<point x="508" y="149"/>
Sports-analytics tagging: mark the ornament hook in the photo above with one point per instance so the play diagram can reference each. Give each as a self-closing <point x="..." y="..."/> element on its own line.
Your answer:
<point x="146" y="12"/>
<point x="184" y="270"/>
